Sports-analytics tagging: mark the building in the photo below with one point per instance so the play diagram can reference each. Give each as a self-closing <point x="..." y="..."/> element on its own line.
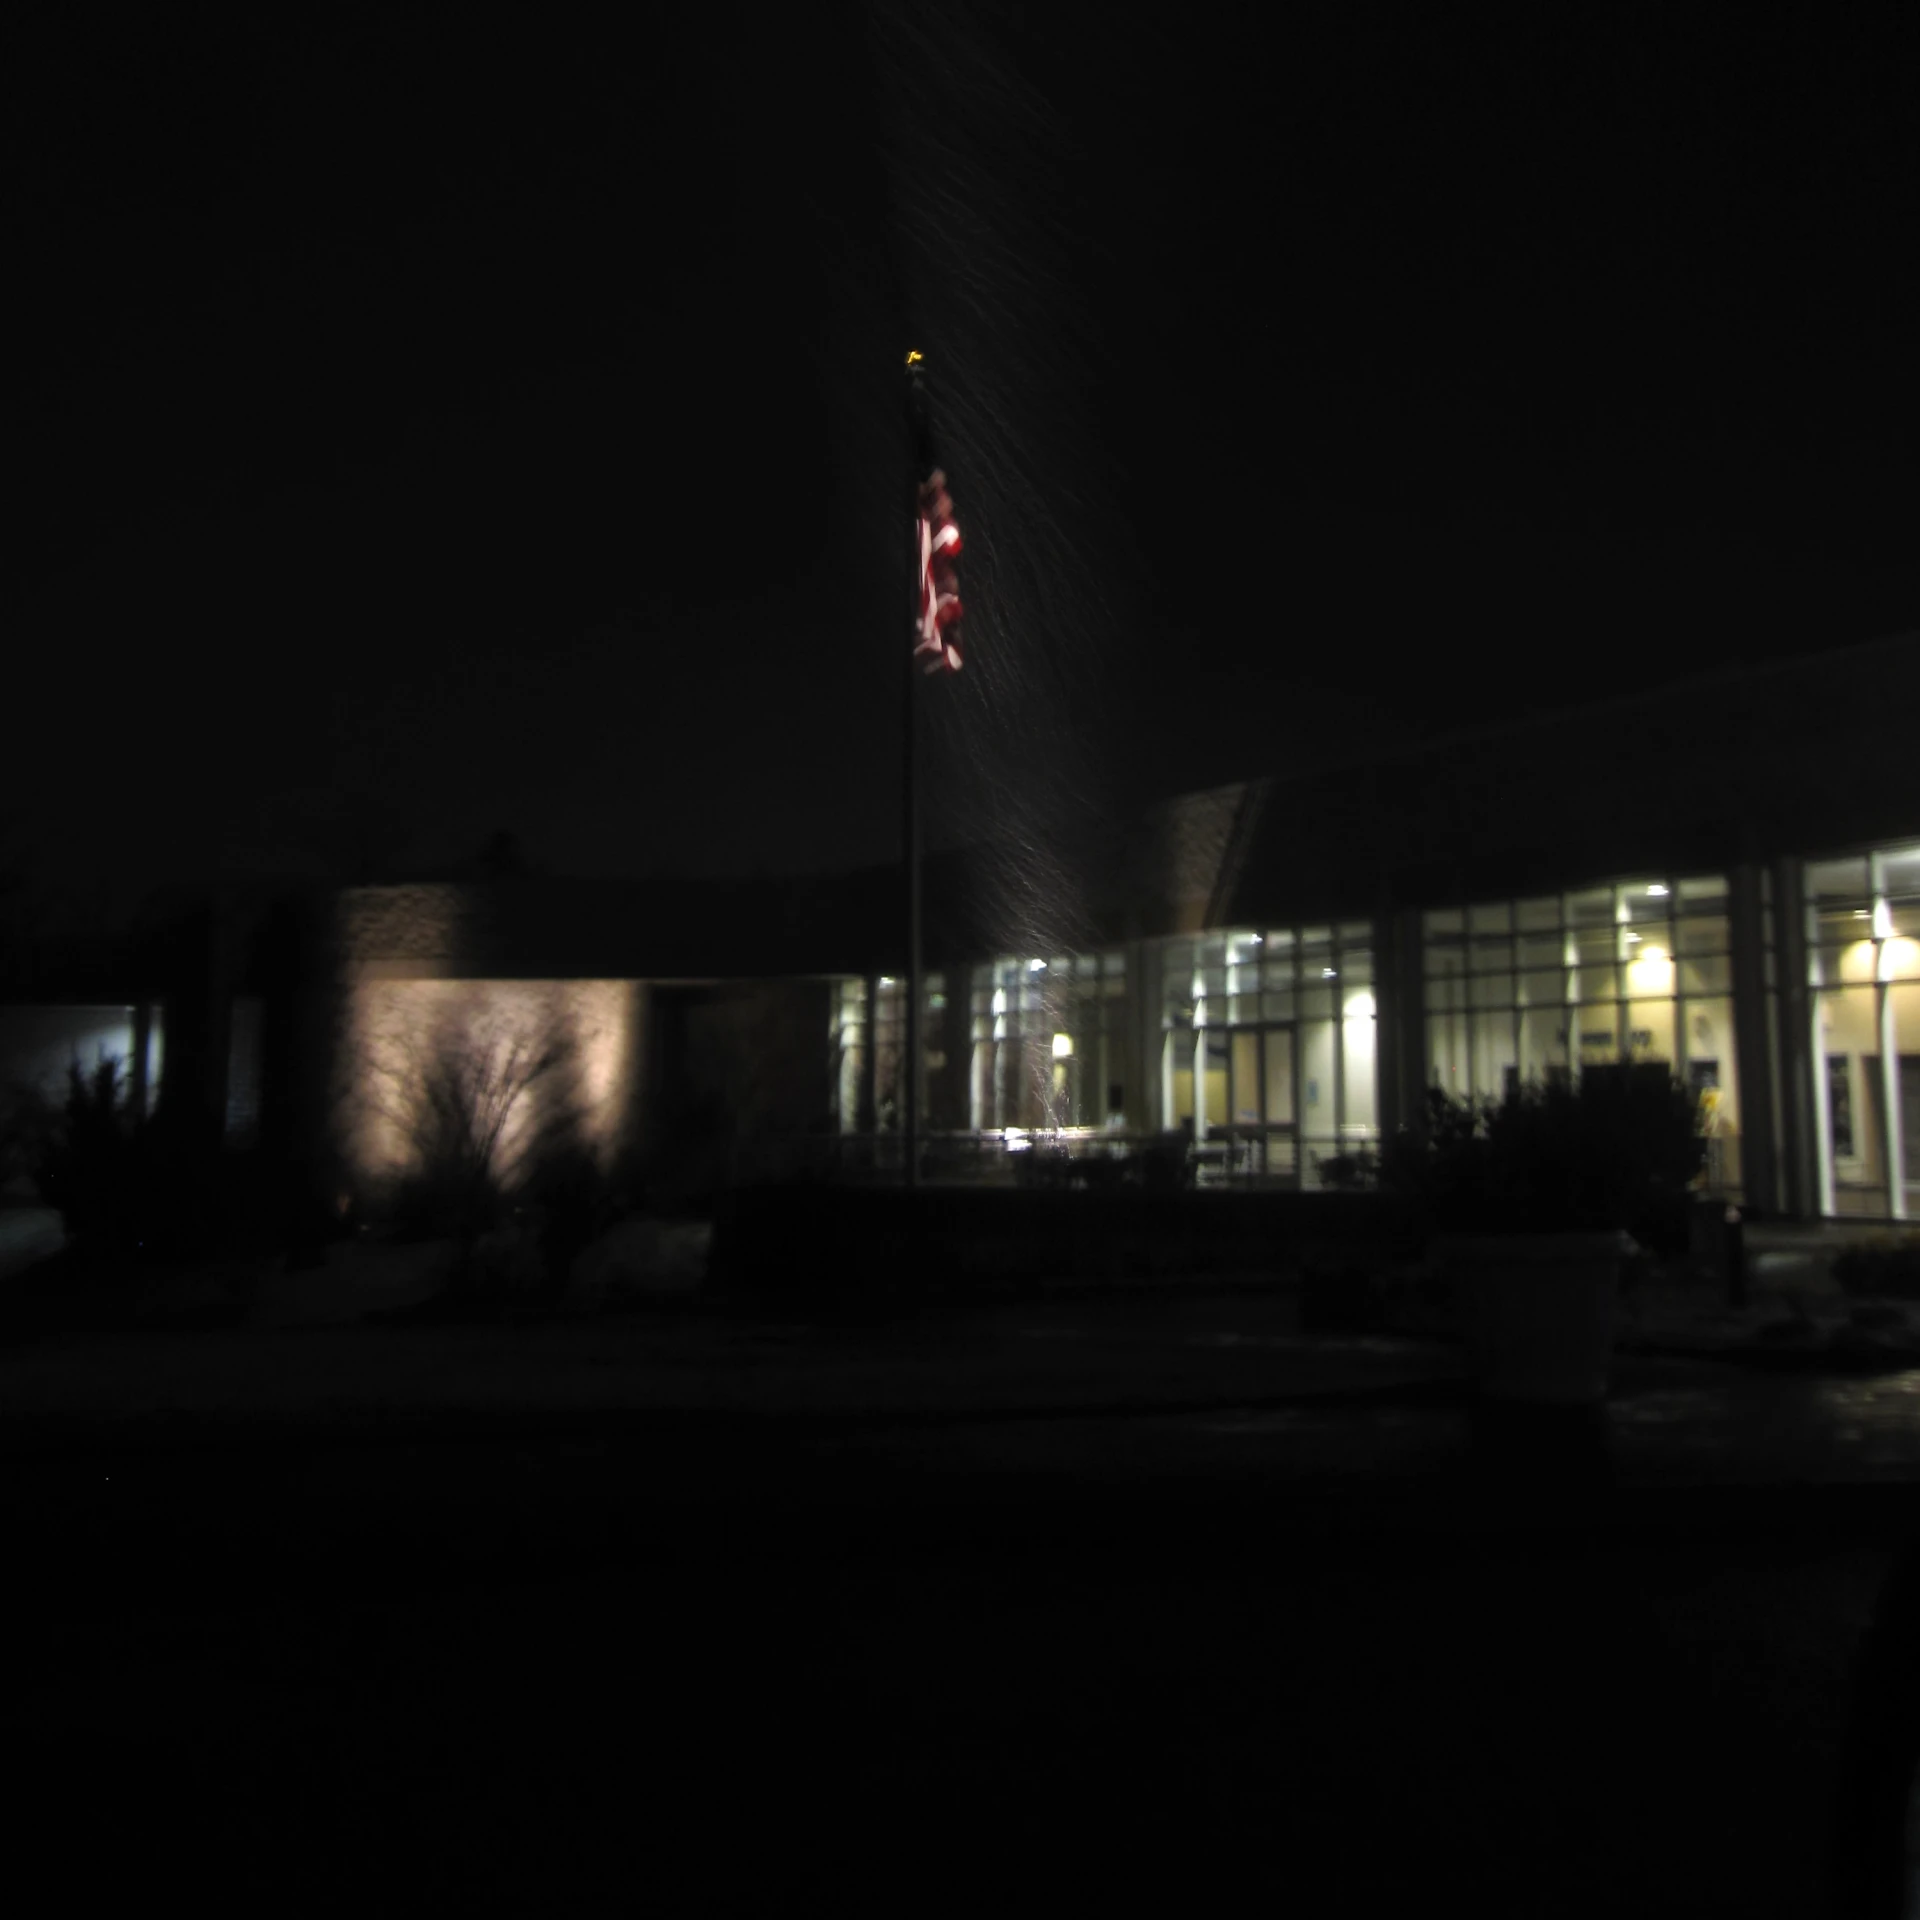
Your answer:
<point x="1720" y="874"/>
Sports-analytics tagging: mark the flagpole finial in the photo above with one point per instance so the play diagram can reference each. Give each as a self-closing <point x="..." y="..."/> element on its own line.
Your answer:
<point x="914" y="357"/>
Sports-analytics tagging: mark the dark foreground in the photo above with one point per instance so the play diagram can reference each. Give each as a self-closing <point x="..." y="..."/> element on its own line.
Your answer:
<point x="722" y="1665"/>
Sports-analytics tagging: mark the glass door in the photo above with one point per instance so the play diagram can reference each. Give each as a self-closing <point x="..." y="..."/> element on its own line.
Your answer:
<point x="1260" y="1103"/>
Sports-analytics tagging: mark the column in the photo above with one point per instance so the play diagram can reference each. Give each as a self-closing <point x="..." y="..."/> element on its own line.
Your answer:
<point x="1760" y="1159"/>
<point x="1892" y="1141"/>
<point x="1400" y="1002"/>
<point x="869" y="1120"/>
<point x="1146" y="1093"/>
<point x="954" y="1026"/>
<point x="1794" y="1044"/>
<point x="142" y="1042"/>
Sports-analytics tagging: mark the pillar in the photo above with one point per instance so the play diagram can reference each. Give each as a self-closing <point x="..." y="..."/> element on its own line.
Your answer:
<point x="1793" y="1041"/>
<point x="1760" y="1155"/>
<point x="870" y="1060"/>
<point x="1399" y="1005"/>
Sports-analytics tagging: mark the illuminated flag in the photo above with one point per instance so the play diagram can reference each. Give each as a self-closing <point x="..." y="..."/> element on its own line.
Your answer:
<point x="937" y="641"/>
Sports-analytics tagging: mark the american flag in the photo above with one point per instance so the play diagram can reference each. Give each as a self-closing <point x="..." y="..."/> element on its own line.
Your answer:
<point x="937" y="645"/>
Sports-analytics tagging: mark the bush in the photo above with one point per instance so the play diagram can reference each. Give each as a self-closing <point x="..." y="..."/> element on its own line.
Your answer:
<point x="455" y="1104"/>
<point x="1355" y="1172"/>
<point x="573" y="1199"/>
<point x="1621" y="1153"/>
<point x="82" y="1156"/>
<point x="1887" y="1268"/>
<point x="124" y="1185"/>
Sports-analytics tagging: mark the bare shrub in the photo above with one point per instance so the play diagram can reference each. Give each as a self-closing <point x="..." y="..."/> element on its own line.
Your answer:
<point x="475" y="1106"/>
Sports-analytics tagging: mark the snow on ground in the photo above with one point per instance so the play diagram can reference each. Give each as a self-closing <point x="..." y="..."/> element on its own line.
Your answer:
<point x="27" y="1234"/>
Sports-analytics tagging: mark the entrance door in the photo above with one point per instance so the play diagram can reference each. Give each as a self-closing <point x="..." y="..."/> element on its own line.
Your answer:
<point x="1280" y="1097"/>
<point x="1260" y="1102"/>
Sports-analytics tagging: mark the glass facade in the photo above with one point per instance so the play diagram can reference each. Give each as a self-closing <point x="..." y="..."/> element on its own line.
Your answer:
<point x="1264" y="1042"/>
<point x="1521" y="992"/>
<point x="1049" y="1041"/>
<point x="1275" y="1027"/>
<point x="1863" y="978"/>
<point x="873" y="1015"/>
<point x="849" y="1042"/>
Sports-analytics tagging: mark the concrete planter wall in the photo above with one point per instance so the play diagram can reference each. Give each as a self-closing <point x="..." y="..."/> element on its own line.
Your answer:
<point x="1538" y="1311"/>
<point x="886" y="1243"/>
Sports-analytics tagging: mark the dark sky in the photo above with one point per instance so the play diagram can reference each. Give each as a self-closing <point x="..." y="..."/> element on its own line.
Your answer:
<point x="452" y="425"/>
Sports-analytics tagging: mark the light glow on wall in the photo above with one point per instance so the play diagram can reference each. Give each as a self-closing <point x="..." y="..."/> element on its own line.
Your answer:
<point x="1650" y="976"/>
<point x="1865" y="961"/>
<point x="398" y="1027"/>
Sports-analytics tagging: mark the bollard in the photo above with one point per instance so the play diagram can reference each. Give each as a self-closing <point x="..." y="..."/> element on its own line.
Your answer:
<point x="1735" y="1254"/>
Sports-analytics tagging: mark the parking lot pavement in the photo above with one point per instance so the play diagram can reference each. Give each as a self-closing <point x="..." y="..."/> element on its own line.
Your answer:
<point x="1080" y="1597"/>
<point x="28" y="1234"/>
<point x="1074" y="1657"/>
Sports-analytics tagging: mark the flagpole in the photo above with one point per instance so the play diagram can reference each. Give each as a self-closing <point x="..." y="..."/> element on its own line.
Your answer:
<point x="910" y="777"/>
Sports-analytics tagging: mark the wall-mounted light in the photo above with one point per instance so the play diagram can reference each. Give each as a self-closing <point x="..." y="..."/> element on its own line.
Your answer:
<point x="1656" y="889"/>
<point x="1062" y="1046"/>
<point x="1329" y="973"/>
<point x="886" y="979"/>
<point x="1036" y="966"/>
<point x="1259" y="939"/>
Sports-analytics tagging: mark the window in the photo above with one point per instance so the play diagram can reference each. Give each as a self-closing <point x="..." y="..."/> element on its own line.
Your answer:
<point x="1050" y="1035"/>
<point x="1527" y="991"/>
<point x="1287" y="1060"/>
<point x="1863" y="972"/>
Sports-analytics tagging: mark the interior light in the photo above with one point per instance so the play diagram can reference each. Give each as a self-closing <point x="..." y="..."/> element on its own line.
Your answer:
<point x="1329" y="973"/>
<point x="1632" y="937"/>
<point x="1657" y="889"/>
<point x="1860" y="913"/>
<point x="1036" y="966"/>
<point x="1259" y="939"/>
<point x="886" y="979"/>
<point x="1062" y="1045"/>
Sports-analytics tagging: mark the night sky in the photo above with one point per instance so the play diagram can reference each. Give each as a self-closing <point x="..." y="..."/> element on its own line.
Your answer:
<point x="446" y="427"/>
